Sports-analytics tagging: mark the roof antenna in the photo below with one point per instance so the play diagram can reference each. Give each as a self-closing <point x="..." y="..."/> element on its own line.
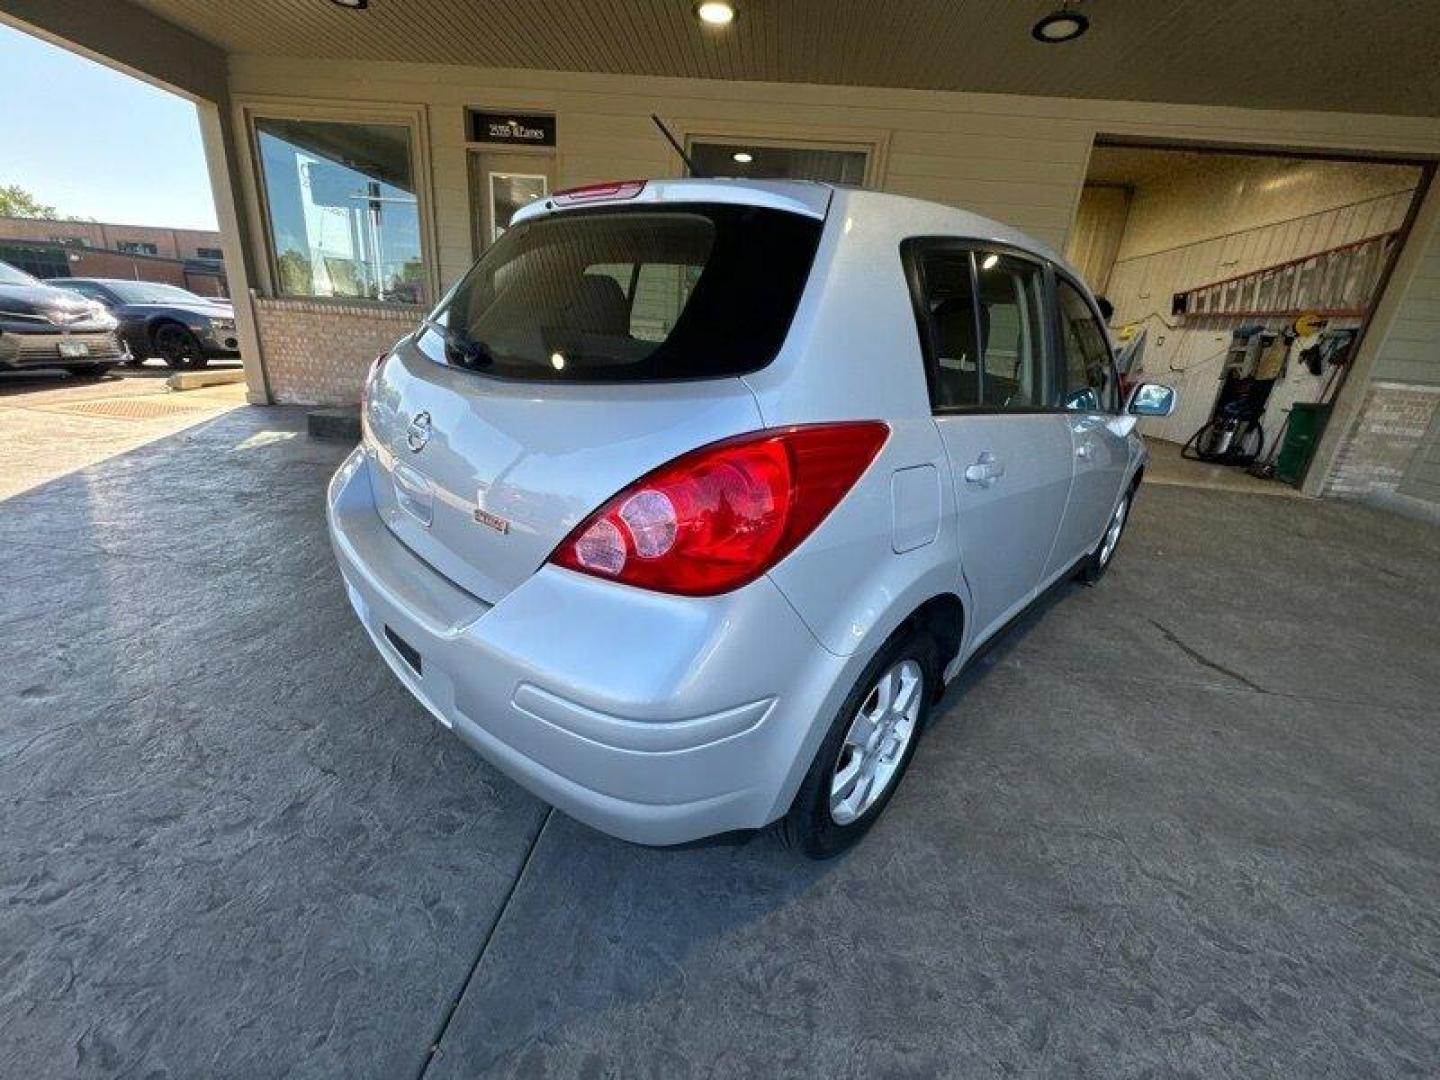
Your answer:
<point x="672" y="141"/>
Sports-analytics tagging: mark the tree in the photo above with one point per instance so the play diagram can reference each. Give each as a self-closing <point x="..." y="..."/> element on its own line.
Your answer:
<point x="15" y="201"/>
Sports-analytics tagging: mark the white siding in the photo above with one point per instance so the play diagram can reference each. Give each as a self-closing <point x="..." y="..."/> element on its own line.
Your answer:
<point x="1411" y="350"/>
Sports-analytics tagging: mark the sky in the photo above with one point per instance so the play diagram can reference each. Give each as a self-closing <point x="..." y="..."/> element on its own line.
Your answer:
<point x="98" y="144"/>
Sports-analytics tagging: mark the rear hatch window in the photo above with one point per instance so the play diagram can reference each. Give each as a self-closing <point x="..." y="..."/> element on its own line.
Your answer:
<point x="678" y="291"/>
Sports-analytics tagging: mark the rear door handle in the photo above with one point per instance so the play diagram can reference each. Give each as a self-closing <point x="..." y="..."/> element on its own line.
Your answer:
<point x="985" y="471"/>
<point x="1085" y="451"/>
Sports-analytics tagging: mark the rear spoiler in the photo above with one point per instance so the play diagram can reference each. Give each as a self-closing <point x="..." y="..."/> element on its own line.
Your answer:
<point x="794" y="196"/>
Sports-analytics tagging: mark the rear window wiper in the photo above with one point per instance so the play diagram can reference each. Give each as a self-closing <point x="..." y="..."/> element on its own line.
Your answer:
<point x="466" y="351"/>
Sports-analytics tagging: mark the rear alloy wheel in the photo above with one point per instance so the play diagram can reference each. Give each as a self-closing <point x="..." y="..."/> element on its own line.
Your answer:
<point x="1095" y="566"/>
<point x="877" y="741"/>
<point x="867" y="750"/>
<point x="177" y="346"/>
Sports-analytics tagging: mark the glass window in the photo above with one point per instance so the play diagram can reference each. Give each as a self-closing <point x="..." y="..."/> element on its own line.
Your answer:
<point x="508" y="193"/>
<point x="152" y="292"/>
<point x="949" y="303"/>
<point x="1090" y="384"/>
<point x="86" y="289"/>
<point x="778" y="162"/>
<point x="343" y="215"/>
<point x="136" y="247"/>
<point x="209" y="253"/>
<point x="986" y="329"/>
<point x="10" y="275"/>
<point x="629" y="294"/>
<point x="1011" y="331"/>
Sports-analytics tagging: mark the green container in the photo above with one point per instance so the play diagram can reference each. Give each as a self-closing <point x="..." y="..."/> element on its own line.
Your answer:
<point x="1302" y="435"/>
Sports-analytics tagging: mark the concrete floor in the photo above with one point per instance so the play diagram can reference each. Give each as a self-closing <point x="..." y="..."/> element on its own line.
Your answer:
<point x="1185" y="823"/>
<point x="1168" y="466"/>
<point x="54" y="423"/>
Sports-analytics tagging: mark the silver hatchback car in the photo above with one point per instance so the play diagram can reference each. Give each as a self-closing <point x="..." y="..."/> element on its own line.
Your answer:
<point x="687" y="500"/>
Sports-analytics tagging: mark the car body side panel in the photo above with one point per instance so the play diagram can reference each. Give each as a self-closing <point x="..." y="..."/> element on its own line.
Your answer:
<point x="853" y="354"/>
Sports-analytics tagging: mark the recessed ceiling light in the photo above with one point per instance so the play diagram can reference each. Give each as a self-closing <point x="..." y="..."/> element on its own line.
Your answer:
<point x="715" y="12"/>
<point x="740" y="157"/>
<point x="353" y="5"/>
<point x="1060" y="26"/>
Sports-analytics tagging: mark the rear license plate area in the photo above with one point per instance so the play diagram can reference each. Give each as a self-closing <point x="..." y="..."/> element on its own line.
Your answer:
<point x="407" y="652"/>
<point x="72" y="349"/>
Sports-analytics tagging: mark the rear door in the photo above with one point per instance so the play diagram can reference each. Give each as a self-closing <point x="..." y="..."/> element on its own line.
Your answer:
<point x="1091" y="396"/>
<point x="982" y="317"/>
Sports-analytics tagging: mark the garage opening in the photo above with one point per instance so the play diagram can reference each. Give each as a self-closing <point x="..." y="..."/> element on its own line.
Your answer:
<point x="1244" y="281"/>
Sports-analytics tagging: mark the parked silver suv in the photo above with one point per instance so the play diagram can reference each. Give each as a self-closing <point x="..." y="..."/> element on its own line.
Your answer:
<point x="686" y="501"/>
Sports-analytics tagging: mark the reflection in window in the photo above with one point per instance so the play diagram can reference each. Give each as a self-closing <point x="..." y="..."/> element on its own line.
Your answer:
<point x="343" y="216"/>
<point x="510" y="192"/>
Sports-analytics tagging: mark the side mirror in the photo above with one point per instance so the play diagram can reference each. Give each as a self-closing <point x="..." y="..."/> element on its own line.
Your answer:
<point x="1151" y="399"/>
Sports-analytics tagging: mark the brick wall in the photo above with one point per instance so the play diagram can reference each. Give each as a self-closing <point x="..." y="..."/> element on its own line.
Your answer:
<point x="316" y="351"/>
<point x="1379" y="448"/>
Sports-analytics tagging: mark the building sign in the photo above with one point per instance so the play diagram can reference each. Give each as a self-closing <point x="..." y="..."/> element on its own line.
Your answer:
<point x="511" y="129"/>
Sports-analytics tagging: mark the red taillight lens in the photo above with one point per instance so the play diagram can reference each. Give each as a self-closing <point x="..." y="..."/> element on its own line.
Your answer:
<point x="610" y="189"/>
<point x="718" y="517"/>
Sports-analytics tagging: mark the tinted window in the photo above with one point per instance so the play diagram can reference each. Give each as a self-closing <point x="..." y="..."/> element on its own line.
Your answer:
<point x="1011" y="335"/>
<point x="84" y="288"/>
<point x="1089" y="377"/>
<point x="152" y="292"/>
<point x="948" y="302"/>
<point x="687" y="291"/>
<point x="9" y="275"/>
<point x="986" y="342"/>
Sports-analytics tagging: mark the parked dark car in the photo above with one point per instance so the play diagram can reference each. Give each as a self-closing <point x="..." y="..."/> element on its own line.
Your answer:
<point x="184" y="329"/>
<point x="42" y="326"/>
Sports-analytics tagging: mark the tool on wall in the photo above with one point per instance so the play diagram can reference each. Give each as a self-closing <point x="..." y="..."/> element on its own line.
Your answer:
<point x="1305" y="420"/>
<point x="1233" y="435"/>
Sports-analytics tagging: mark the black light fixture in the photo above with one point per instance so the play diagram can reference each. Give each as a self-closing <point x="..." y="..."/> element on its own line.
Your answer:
<point x="353" y="5"/>
<point x="1060" y="26"/>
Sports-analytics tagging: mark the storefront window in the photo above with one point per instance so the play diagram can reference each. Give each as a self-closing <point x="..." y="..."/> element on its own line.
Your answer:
<point x="343" y="217"/>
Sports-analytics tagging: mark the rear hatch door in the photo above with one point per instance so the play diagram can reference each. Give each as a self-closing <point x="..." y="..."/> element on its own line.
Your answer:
<point x="585" y="349"/>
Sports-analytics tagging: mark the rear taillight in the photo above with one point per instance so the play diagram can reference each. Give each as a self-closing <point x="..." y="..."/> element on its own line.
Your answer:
<point x="718" y="517"/>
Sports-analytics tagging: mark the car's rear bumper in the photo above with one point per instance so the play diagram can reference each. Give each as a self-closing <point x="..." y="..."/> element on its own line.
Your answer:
<point x="658" y="719"/>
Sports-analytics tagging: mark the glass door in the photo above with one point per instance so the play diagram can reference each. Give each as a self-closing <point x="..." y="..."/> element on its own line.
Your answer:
<point x="501" y="182"/>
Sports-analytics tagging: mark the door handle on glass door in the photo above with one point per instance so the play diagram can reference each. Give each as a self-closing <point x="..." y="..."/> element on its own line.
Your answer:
<point x="985" y="471"/>
<point x="1085" y="451"/>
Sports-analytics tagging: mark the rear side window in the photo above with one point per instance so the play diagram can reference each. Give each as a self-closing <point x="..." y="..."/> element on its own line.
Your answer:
<point x="984" y="315"/>
<point x="630" y="294"/>
<point x="1090" y="383"/>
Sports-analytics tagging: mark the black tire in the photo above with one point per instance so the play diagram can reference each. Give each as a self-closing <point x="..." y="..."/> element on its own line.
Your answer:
<point x="177" y="346"/>
<point x="1099" y="560"/>
<point x="810" y="825"/>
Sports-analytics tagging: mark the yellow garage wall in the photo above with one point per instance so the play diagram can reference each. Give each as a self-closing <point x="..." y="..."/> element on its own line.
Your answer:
<point x="1019" y="159"/>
